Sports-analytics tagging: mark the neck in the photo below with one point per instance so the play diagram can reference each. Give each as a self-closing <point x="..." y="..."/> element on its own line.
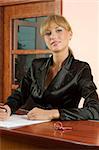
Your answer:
<point x="59" y="57"/>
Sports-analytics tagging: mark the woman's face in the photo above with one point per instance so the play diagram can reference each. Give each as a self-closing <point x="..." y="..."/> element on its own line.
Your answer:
<point x="57" y="38"/>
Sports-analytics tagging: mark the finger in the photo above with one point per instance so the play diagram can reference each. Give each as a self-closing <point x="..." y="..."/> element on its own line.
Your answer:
<point x="4" y="115"/>
<point x="2" y="110"/>
<point x="31" y="116"/>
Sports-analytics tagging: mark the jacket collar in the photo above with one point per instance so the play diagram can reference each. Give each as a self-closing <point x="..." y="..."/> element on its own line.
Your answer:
<point x="47" y="63"/>
<point x="68" y="61"/>
<point x="66" y="64"/>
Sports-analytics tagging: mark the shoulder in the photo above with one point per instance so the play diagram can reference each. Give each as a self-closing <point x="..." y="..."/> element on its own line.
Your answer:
<point x="41" y="62"/>
<point x="80" y="68"/>
<point x="78" y="64"/>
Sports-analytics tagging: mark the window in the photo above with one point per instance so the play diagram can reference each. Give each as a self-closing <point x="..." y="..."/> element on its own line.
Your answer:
<point x="26" y="38"/>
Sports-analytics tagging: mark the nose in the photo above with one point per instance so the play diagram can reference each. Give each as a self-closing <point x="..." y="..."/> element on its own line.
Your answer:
<point x="52" y="36"/>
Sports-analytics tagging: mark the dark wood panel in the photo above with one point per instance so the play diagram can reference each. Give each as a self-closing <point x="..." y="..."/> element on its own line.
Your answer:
<point x="30" y="10"/>
<point x="11" y="2"/>
<point x="1" y="52"/>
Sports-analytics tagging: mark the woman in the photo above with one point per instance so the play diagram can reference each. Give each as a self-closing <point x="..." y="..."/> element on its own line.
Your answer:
<point x="53" y="87"/>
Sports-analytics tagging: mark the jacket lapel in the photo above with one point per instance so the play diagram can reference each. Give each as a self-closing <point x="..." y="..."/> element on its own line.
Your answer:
<point x="41" y="74"/>
<point x="63" y="75"/>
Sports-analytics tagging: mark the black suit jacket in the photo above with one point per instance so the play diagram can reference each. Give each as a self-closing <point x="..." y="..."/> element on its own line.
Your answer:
<point x="72" y="82"/>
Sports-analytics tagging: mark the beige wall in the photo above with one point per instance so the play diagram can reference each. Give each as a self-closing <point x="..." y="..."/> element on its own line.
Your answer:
<point x="84" y="19"/>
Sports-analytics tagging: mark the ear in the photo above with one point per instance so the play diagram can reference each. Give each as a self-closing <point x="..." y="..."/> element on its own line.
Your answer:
<point x="70" y="35"/>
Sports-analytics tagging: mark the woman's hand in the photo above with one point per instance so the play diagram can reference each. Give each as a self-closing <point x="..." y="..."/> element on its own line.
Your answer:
<point x="5" y="112"/>
<point x="42" y="114"/>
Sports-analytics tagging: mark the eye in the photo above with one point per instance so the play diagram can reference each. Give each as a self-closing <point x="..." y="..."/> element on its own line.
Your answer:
<point x="48" y="33"/>
<point x="59" y="30"/>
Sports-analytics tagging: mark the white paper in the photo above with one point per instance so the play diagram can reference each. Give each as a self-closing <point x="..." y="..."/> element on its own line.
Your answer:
<point x="18" y="121"/>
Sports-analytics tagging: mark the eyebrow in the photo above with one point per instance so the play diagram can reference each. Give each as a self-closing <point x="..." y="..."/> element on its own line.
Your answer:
<point x="55" y="28"/>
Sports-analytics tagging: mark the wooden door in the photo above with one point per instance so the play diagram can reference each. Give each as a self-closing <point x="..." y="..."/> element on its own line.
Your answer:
<point x="12" y="13"/>
<point x="1" y="52"/>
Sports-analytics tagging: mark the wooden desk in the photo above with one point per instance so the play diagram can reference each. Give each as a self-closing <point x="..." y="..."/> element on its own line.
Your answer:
<point x="83" y="136"/>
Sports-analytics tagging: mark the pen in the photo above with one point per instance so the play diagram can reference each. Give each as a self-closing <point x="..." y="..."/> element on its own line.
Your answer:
<point x="22" y="111"/>
<point x="3" y="108"/>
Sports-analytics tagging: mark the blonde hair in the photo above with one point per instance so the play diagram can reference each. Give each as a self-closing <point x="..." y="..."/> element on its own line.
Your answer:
<point x="58" y="19"/>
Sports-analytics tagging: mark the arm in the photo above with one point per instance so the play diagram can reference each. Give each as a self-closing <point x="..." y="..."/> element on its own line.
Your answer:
<point x="42" y="114"/>
<point x="87" y="89"/>
<point x="5" y="112"/>
<point x="20" y="95"/>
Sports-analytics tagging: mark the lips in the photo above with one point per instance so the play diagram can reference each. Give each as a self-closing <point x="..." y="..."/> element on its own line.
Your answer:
<point x="55" y="43"/>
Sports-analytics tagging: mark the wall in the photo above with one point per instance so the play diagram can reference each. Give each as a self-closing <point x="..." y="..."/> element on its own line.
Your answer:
<point x="84" y="19"/>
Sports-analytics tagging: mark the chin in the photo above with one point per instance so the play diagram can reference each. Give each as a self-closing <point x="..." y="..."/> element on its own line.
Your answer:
<point x="56" y="50"/>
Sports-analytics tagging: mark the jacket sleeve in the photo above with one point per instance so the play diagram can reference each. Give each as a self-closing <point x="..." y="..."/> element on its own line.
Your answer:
<point x="20" y="95"/>
<point x="87" y="89"/>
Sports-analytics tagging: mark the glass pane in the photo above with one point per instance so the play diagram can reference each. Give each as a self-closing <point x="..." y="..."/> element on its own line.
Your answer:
<point x="29" y="19"/>
<point x="26" y="37"/>
<point x="21" y="64"/>
<point x="26" y="33"/>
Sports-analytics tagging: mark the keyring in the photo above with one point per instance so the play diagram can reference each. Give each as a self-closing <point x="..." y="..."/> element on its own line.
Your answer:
<point x="59" y="126"/>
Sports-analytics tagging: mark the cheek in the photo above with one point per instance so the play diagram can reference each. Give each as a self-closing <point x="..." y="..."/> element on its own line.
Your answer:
<point x="65" y="37"/>
<point x="62" y="36"/>
<point x="65" y="40"/>
<point x="47" y="42"/>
